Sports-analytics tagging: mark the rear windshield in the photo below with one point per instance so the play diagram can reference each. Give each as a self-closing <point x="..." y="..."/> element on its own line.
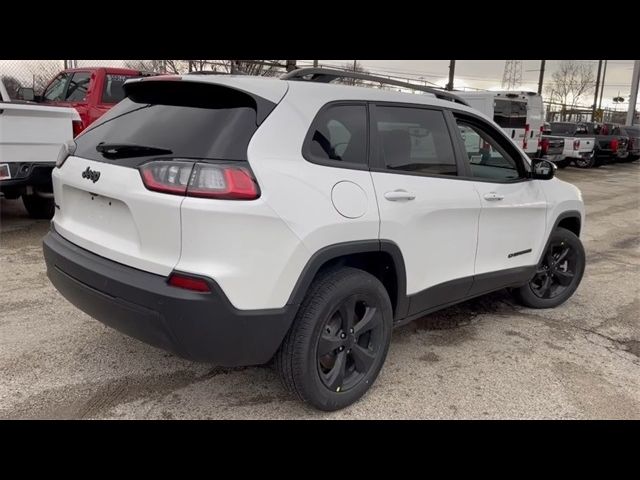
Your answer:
<point x="174" y="119"/>
<point x="113" y="91"/>
<point x="563" y="128"/>
<point x="510" y="113"/>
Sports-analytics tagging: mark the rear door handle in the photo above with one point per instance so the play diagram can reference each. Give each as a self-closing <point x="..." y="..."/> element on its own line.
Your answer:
<point x="493" y="197"/>
<point x="399" y="195"/>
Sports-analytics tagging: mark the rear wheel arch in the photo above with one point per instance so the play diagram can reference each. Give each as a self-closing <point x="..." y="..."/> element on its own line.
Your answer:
<point x="381" y="258"/>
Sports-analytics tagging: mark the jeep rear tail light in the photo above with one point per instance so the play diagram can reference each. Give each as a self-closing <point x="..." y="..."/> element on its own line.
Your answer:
<point x="226" y="181"/>
<point x="614" y="144"/>
<point x="576" y="144"/>
<point x="544" y="146"/>
<point x="78" y="127"/>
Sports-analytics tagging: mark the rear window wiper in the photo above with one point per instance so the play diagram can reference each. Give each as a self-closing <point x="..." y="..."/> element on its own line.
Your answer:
<point x="123" y="150"/>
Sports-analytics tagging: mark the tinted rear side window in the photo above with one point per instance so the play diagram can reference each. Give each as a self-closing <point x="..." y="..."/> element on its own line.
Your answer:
<point x="338" y="136"/>
<point x="188" y="119"/>
<point x="415" y="140"/>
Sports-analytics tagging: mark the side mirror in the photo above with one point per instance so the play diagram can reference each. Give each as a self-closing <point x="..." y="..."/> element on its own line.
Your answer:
<point x="25" y="93"/>
<point x="542" y="169"/>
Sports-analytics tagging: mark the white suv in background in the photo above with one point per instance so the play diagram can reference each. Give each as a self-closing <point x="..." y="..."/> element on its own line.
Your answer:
<point x="236" y="219"/>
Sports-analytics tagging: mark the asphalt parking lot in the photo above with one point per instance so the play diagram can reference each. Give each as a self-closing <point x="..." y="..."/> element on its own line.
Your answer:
<point x="486" y="358"/>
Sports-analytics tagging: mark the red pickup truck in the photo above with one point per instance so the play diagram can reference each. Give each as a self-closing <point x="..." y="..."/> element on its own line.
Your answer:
<point x="91" y="91"/>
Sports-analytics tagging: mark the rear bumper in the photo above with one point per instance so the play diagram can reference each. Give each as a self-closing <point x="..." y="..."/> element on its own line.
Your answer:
<point x="198" y="326"/>
<point x="25" y="174"/>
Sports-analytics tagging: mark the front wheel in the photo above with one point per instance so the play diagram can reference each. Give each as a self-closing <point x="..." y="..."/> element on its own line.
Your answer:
<point x="339" y="340"/>
<point x="586" y="162"/>
<point x="558" y="274"/>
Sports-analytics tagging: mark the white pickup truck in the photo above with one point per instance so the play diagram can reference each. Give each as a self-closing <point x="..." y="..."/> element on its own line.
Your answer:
<point x="31" y="137"/>
<point x="578" y="147"/>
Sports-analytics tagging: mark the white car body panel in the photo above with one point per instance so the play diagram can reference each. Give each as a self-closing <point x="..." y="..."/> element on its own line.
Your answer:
<point x="33" y="133"/>
<point x="256" y="250"/>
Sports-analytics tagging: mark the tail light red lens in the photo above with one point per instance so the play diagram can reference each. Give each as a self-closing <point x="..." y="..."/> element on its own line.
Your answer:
<point x="189" y="283"/>
<point x="227" y="181"/>
<point x="544" y="145"/>
<point x="78" y="127"/>
<point x="614" y="144"/>
<point x="576" y="144"/>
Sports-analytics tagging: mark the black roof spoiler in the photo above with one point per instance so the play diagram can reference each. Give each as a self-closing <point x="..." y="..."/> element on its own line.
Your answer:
<point x="327" y="75"/>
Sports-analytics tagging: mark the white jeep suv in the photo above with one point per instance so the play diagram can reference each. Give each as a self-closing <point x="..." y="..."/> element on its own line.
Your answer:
<point x="236" y="219"/>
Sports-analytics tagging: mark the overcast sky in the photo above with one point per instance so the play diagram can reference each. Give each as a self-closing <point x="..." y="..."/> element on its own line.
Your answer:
<point x="483" y="74"/>
<point x="487" y="74"/>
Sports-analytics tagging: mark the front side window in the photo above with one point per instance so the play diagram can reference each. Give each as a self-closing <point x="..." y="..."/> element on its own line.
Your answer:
<point x="486" y="158"/>
<point x="56" y="89"/>
<point x="339" y="134"/>
<point x="414" y="140"/>
<point x="78" y="86"/>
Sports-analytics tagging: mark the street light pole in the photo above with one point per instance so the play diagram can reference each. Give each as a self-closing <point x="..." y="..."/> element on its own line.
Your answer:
<point x="635" y="80"/>
<point x="452" y="70"/>
<point x="540" y="80"/>
<point x="595" y="98"/>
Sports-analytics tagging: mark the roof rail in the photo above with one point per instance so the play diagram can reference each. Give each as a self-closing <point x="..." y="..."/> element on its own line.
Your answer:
<point x="327" y="75"/>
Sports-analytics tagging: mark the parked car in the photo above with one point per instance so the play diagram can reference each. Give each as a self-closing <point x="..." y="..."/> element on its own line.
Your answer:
<point x="633" y="132"/>
<point x="31" y="137"/>
<point x="610" y="144"/>
<point x="552" y="148"/>
<point x="235" y="219"/>
<point x="92" y="91"/>
<point x="578" y="146"/>
<point x="519" y="114"/>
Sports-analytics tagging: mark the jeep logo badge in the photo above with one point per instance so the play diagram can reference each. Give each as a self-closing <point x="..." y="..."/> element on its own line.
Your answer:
<point x="92" y="175"/>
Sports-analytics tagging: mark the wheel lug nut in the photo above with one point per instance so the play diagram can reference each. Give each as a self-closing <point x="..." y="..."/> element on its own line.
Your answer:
<point x="351" y="330"/>
<point x="341" y="349"/>
<point x="343" y="335"/>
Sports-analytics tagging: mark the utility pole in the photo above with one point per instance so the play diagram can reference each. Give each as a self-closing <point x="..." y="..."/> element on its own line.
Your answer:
<point x="635" y="80"/>
<point x="355" y="65"/>
<point x="595" y="98"/>
<point x="541" y="78"/>
<point x="452" y="71"/>
<point x="315" y="64"/>
<point x="604" y="73"/>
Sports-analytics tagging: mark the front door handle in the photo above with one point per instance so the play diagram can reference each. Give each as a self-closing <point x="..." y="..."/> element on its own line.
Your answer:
<point x="493" y="197"/>
<point x="399" y="195"/>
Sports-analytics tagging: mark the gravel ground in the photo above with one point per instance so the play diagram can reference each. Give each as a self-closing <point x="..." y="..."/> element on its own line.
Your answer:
<point x="486" y="358"/>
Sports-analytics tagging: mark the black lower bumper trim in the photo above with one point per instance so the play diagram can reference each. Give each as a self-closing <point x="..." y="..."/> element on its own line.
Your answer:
<point x="198" y="326"/>
<point x="25" y="174"/>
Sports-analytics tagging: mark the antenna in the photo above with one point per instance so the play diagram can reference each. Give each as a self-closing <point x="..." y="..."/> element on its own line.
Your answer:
<point x="512" y="76"/>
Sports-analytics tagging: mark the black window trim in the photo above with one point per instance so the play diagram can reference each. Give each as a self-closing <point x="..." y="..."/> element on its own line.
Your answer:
<point x="306" y="145"/>
<point x="523" y="166"/>
<point x="377" y="162"/>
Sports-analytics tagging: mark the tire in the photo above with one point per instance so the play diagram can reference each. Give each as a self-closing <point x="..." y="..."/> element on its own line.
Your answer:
<point x="39" y="207"/>
<point x="563" y="277"/>
<point x="312" y="377"/>
<point x="588" y="162"/>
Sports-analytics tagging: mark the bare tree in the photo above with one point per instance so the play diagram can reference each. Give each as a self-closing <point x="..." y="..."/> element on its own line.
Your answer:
<point x="12" y="84"/>
<point x="352" y="67"/>
<point x="571" y="82"/>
